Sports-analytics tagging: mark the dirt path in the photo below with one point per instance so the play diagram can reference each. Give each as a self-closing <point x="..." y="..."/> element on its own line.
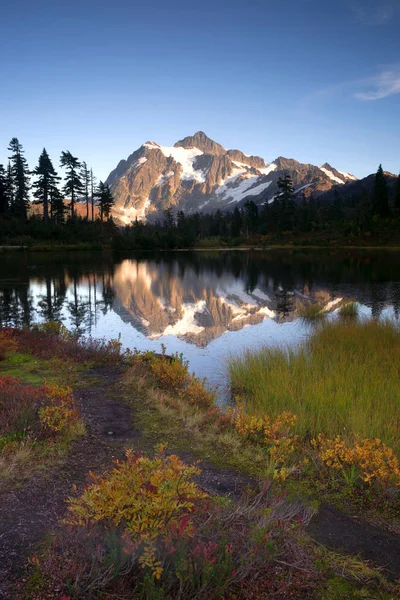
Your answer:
<point x="32" y="510"/>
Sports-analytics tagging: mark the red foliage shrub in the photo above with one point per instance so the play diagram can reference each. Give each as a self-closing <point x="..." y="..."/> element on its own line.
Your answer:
<point x="35" y="410"/>
<point x="46" y="343"/>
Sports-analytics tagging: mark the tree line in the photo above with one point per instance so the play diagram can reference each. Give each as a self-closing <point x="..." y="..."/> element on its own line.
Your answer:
<point x="16" y="188"/>
<point x="287" y="215"/>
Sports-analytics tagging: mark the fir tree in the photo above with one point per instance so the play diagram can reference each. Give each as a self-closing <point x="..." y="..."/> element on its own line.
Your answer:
<point x="92" y="191"/>
<point x="236" y="225"/>
<point x="380" y="195"/>
<point x="85" y="177"/>
<point x="4" y="204"/>
<point x="397" y="194"/>
<point x="57" y="206"/>
<point x="10" y="187"/>
<point x="286" y="202"/>
<point x="20" y="179"/>
<point x="105" y="200"/>
<point x="46" y="182"/>
<point x="73" y="184"/>
<point x="169" y="221"/>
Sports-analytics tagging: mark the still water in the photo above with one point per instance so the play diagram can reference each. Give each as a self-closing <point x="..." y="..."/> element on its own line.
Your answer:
<point x="207" y="305"/>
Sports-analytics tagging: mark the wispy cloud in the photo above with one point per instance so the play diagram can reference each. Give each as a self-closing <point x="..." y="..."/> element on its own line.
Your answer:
<point x="374" y="12"/>
<point x="383" y="85"/>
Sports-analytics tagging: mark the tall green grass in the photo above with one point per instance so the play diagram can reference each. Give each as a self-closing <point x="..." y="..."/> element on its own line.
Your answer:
<point x="311" y="311"/>
<point x="349" y="310"/>
<point x="345" y="379"/>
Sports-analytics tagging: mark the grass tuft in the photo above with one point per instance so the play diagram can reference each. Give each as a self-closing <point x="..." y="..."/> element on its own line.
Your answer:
<point x="310" y="311"/>
<point x="343" y="380"/>
<point x="349" y="310"/>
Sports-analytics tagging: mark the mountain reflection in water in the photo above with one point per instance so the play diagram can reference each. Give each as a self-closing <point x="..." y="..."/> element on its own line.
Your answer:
<point x="204" y="304"/>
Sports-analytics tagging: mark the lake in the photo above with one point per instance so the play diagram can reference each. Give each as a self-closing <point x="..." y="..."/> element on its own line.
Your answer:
<point x="207" y="305"/>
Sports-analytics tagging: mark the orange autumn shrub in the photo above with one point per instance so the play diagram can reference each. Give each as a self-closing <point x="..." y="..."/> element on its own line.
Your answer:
<point x="375" y="461"/>
<point x="147" y="497"/>
<point x="173" y="375"/>
<point x="59" y="412"/>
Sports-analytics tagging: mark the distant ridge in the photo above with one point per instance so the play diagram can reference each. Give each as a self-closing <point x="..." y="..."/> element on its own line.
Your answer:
<point x="197" y="174"/>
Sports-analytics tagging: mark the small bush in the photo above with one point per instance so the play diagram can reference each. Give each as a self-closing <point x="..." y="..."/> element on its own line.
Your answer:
<point x="7" y="344"/>
<point x="147" y="497"/>
<point x="34" y="411"/>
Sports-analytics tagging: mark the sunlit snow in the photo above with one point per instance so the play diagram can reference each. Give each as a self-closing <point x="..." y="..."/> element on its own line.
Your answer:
<point x="184" y="156"/>
<point x="331" y="175"/>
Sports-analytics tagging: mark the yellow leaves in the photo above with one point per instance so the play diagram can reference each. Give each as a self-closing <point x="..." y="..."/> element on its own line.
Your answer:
<point x="146" y="495"/>
<point x="173" y="375"/>
<point x="376" y="462"/>
<point x="59" y="412"/>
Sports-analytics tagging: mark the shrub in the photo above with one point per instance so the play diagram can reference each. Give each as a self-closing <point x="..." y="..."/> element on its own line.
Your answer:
<point x="52" y="340"/>
<point x="173" y="375"/>
<point x="7" y="344"/>
<point x="156" y="543"/>
<point x="374" y="462"/>
<point x="30" y="410"/>
<point x="147" y="497"/>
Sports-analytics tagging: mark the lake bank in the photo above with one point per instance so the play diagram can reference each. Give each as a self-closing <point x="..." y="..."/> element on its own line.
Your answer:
<point x="165" y="404"/>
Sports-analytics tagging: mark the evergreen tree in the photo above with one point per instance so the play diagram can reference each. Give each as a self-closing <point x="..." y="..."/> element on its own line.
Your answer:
<point x="380" y="195"/>
<point x="4" y="204"/>
<point x="57" y="206"/>
<point x="251" y="212"/>
<point x="9" y="187"/>
<point x="85" y="177"/>
<point x="169" y="222"/>
<point x="46" y="182"/>
<point x="105" y="200"/>
<point x="92" y="191"/>
<point x="397" y="194"/>
<point x="73" y="184"/>
<point x="286" y="202"/>
<point x="236" y="224"/>
<point x="20" y="179"/>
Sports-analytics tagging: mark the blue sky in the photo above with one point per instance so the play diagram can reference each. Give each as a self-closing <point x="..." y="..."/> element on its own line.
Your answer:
<point x="312" y="80"/>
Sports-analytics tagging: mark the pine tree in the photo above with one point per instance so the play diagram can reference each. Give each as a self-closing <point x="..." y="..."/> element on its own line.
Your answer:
<point x="92" y="191"/>
<point x="286" y="201"/>
<point x="105" y="200"/>
<point x="169" y="221"/>
<point x="57" y="206"/>
<point x="73" y="184"/>
<point x="85" y="177"/>
<point x="10" y="187"/>
<point x="380" y="195"/>
<point x="19" y="173"/>
<point x="236" y="225"/>
<point x="397" y="194"/>
<point x="46" y="182"/>
<point x="4" y="204"/>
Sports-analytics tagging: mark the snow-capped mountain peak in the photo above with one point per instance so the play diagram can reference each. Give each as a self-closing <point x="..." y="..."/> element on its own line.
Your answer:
<point x="197" y="174"/>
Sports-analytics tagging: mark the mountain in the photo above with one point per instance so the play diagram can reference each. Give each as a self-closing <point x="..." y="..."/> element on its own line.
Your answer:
<point x="198" y="174"/>
<point x="360" y="187"/>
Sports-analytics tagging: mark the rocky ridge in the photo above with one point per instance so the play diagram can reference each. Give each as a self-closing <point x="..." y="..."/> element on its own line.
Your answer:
<point x="198" y="174"/>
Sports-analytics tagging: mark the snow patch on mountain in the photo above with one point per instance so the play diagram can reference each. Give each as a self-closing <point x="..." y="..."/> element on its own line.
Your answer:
<point x="347" y="175"/>
<point x="331" y="175"/>
<point x="183" y="156"/>
<point x="268" y="169"/>
<point x="127" y="215"/>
